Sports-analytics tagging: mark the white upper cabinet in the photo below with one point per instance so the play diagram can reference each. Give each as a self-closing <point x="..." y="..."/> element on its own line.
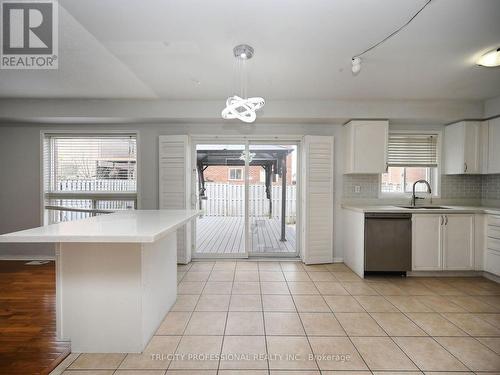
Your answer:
<point x="462" y="148"/>
<point x="484" y="146"/>
<point x="493" y="163"/>
<point x="366" y="146"/>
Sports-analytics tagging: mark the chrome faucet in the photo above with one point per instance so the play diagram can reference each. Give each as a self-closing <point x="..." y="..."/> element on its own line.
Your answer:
<point x="413" y="197"/>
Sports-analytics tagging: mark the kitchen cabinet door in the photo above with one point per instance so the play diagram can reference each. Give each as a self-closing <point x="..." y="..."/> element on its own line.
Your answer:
<point x="366" y="147"/>
<point x="462" y="148"/>
<point x="426" y="242"/>
<point x="492" y="254"/>
<point x="494" y="146"/>
<point x="458" y="242"/>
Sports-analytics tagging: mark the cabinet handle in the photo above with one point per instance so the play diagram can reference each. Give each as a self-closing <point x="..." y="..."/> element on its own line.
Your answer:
<point x="465" y="167"/>
<point x="442" y="220"/>
<point x="446" y="222"/>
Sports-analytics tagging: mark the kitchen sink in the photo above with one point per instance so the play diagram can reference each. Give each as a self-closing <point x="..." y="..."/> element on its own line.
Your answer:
<point x="426" y="207"/>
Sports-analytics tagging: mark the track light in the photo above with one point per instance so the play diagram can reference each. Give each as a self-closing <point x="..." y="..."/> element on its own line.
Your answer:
<point x="356" y="60"/>
<point x="356" y="65"/>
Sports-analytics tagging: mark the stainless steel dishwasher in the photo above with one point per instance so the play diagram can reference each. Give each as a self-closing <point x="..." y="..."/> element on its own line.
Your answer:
<point x="387" y="242"/>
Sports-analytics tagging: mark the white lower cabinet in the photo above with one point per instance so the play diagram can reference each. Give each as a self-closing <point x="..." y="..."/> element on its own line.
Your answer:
<point x="458" y="242"/>
<point x="443" y="242"/>
<point x="427" y="242"/>
<point x="492" y="254"/>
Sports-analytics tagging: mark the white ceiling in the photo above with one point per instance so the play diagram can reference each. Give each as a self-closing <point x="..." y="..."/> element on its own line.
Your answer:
<point x="182" y="49"/>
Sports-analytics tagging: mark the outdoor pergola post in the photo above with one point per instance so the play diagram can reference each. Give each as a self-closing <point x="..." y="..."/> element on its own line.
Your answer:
<point x="268" y="168"/>
<point x="283" y="198"/>
<point x="201" y="182"/>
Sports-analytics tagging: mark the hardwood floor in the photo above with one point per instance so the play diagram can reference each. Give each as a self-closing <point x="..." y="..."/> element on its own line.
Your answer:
<point x="28" y="342"/>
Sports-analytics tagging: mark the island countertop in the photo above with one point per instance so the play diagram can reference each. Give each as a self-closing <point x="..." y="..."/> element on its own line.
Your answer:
<point x="134" y="226"/>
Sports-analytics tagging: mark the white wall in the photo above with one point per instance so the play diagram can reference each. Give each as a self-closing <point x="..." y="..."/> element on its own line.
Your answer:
<point x="277" y="111"/>
<point x="492" y="107"/>
<point x="20" y="169"/>
<point x="20" y="188"/>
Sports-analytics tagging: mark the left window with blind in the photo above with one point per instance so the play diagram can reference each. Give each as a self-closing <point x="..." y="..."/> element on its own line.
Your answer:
<point x="85" y="175"/>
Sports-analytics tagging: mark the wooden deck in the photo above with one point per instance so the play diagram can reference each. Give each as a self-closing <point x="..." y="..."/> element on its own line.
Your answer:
<point x="225" y="235"/>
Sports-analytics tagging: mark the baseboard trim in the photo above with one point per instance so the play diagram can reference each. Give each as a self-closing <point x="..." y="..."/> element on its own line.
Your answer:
<point x="229" y="257"/>
<point x="491" y="277"/>
<point x="27" y="257"/>
<point x="445" y="273"/>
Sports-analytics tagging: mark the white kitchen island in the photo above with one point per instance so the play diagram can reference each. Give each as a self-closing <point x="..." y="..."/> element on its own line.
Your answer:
<point x="116" y="276"/>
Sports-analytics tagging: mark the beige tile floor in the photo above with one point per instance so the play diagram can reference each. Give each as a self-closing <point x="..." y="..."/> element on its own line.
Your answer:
<point x="288" y="318"/>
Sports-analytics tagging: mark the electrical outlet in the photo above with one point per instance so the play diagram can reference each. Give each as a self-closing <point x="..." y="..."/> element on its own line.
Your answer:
<point x="357" y="189"/>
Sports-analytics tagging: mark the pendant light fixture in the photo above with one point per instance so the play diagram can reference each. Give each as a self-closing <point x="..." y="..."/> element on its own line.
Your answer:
<point x="240" y="106"/>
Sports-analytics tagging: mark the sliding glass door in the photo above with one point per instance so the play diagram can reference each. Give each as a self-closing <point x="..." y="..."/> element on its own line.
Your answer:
<point x="221" y="195"/>
<point x="248" y="194"/>
<point x="272" y="197"/>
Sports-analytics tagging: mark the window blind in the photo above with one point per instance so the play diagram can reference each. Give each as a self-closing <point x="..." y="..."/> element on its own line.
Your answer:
<point x="87" y="175"/>
<point x="90" y="163"/>
<point x="412" y="150"/>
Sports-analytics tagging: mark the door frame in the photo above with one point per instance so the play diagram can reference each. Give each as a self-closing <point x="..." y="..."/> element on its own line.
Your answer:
<point x="247" y="141"/>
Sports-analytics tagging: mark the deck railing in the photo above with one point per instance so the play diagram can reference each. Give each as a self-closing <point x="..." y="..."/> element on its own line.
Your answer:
<point x="228" y="200"/>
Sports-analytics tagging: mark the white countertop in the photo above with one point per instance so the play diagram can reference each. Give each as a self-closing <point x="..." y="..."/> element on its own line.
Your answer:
<point x="138" y="226"/>
<point x="450" y="209"/>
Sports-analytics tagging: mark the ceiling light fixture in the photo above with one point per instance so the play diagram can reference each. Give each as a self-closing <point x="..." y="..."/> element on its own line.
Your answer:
<point x="240" y="106"/>
<point x="490" y="59"/>
<point x="356" y="59"/>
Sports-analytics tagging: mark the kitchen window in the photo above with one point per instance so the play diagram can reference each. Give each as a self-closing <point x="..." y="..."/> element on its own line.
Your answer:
<point x="411" y="157"/>
<point x="86" y="175"/>
<point x="235" y="174"/>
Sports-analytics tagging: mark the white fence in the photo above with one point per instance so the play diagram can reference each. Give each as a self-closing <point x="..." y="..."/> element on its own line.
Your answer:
<point x="229" y="200"/>
<point x="90" y="203"/>
<point x="223" y="199"/>
<point x="95" y="185"/>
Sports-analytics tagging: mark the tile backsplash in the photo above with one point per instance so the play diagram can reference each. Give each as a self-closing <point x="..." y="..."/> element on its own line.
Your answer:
<point x="461" y="186"/>
<point x="491" y="187"/>
<point x="368" y="185"/>
<point x="465" y="187"/>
